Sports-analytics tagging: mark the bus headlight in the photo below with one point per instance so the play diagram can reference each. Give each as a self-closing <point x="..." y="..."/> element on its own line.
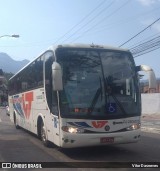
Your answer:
<point x="72" y="129"/>
<point x="134" y="127"/>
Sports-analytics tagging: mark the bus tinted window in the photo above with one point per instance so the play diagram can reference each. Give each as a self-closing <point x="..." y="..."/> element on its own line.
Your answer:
<point x="29" y="78"/>
<point x="98" y="83"/>
<point x="48" y="77"/>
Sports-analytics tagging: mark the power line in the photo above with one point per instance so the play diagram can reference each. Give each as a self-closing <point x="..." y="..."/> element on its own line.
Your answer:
<point x="100" y="4"/>
<point x="130" y="19"/>
<point x="142" y="41"/>
<point x="90" y="21"/>
<point x="139" y="32"/>
<point x="146" y="47"/>
<point x="115" y="23"/>
<point x="149" y="42"/>
<point x="84" y="18"/>
<point x="102" y="20"/>
<point x="135" y="56"/>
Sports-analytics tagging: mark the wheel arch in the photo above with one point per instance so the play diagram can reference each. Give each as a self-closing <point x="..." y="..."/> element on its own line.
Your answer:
<point x="40" y="119"/>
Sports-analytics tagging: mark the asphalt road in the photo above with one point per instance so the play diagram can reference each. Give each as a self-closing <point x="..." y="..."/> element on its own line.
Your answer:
<point x="18" y="145"/>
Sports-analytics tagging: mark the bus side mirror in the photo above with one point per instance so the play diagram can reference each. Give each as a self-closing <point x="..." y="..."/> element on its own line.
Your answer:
<point x="57" y="77"/>
<point x="151" y="75"/>
<point x="138" y="68"/>
<point x="145" y="68"/>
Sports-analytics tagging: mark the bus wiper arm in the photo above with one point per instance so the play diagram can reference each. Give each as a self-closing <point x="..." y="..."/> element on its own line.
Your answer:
<point x="118" y="103"/>
<point x="95" y="98"/>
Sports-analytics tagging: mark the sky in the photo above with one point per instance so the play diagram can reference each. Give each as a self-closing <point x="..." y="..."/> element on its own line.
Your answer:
<point x="42" y="23"/>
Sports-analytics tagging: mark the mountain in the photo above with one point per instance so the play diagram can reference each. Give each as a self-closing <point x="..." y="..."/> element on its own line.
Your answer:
<point x="7" y="64"/>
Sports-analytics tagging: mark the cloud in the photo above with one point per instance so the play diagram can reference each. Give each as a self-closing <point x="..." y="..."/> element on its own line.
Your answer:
<point x="148" y="2"/>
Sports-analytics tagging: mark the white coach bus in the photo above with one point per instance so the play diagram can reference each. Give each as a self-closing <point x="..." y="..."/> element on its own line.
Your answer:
<point x="78" y="95"/>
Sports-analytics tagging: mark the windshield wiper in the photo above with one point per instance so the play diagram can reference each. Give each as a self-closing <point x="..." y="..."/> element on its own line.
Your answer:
<point x="108" y="82"/>
<point x="95" y="98"/>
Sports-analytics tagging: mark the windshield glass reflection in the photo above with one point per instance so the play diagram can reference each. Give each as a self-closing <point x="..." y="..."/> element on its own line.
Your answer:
<point x="97" y="83"/>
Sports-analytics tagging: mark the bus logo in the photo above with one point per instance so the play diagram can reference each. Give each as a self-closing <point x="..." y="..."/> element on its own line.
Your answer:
<point x="27" y="99"/>
<point x="99" y="124"/>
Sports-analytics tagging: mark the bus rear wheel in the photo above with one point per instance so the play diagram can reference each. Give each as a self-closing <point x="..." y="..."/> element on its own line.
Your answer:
<point x="44" y="136"/>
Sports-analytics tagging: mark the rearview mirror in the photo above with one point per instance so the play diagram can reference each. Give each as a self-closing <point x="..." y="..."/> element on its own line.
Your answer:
<point x="151" y="75"/>
<point x="57" y="77"/>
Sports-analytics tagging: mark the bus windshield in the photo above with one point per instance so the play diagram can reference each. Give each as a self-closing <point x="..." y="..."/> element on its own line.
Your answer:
<point x="98" y="83"/>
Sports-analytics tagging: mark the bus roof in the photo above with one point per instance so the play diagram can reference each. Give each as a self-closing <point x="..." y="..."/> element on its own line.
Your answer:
<point x="83" y="46"/>
<point x="88" y="46"/>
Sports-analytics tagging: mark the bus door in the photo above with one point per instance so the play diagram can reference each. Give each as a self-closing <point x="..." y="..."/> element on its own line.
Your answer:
<point x="52" y="125"/>
<point x="53" y="119"/>
<point x="54" y="122"/>
<point x="56" y="126"/>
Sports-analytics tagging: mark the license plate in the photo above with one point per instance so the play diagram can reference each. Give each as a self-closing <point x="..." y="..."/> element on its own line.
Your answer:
<point x="107" y="140"/>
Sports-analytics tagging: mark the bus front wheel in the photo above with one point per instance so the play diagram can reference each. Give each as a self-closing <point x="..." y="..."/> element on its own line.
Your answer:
<point x="44" y="136"/>
<point x="15" y="122"/>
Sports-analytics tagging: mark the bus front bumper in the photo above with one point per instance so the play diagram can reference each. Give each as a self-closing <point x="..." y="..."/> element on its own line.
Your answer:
<point x="70" y="140"/>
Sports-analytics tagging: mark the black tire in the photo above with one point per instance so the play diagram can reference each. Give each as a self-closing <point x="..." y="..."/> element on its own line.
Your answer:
<point x="43" y="136"/>
<point x="15" y="123"/>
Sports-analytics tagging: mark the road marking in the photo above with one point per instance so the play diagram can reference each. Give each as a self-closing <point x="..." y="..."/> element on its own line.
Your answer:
<point x="0" y="120"/>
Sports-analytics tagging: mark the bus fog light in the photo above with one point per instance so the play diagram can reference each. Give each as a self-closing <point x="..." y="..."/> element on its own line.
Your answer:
<point x="72" y="129"/>
<point x="134" y="127"/>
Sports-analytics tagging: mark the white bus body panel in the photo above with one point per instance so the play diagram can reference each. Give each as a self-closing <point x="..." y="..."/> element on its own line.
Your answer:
<point x="98" y="129"/>
<point x="27" y="107"/>
<point x="31" y="105"/>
